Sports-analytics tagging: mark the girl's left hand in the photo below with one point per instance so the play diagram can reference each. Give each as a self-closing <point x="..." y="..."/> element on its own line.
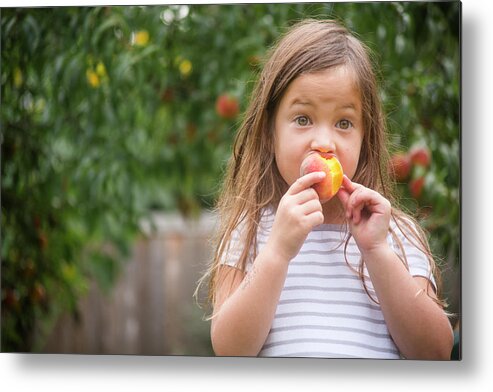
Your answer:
<point x="368" y="215"/>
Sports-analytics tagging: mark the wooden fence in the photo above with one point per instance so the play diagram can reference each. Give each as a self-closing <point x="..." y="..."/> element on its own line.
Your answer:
<point x="150" y="310"/>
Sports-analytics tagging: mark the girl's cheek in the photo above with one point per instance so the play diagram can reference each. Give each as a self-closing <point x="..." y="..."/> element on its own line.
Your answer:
<point x="349" y="163"/>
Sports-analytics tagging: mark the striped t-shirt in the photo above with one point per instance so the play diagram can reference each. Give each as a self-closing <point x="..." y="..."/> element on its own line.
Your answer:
<point x="324" y="310"/>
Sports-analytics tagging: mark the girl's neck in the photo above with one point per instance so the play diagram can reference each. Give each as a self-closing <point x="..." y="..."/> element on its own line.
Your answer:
<point x="333" y="212"/>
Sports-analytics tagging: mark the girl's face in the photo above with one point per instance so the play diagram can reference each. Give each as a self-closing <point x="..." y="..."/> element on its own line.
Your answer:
<point x="319" y="112"/>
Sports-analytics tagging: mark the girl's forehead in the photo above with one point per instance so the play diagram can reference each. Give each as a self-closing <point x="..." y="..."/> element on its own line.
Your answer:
<point x="342" y="75"/>
<point x="329" y="84"/>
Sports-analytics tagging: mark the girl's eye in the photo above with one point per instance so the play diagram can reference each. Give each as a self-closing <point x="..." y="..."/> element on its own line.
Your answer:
<point x="344" y="124"/>
<point x="302" y="121"/>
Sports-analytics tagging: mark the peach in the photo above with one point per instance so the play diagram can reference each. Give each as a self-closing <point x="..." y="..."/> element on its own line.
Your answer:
<point x="227" y="106"/>
<point x="416" y="186"/>
<point x="420" y="156"/>
<point x="329" y="186"/>
<point x="400" y="166"/>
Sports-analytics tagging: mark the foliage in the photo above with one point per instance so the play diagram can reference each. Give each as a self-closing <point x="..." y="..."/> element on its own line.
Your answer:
<point x="110" y="112"/>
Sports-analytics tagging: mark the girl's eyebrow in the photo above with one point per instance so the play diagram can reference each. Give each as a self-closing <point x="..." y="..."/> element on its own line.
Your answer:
<point x="307" y="102"/>
<point x="302" y="102"/>
<point x="350" y="105"/>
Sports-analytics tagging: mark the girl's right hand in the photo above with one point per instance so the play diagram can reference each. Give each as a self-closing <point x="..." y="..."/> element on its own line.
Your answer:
<point x="298" y="213"/>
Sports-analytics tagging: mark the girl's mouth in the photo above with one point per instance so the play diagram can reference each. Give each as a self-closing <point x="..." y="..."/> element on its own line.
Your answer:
<point x="325" y="155"/>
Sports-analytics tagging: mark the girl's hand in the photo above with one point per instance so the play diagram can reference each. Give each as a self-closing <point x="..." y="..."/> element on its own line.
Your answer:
<point x="298" y="213"/>
<point x="368" y="215"/>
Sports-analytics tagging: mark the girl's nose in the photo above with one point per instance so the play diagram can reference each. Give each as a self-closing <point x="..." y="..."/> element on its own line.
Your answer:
<point x="323" y="140"/>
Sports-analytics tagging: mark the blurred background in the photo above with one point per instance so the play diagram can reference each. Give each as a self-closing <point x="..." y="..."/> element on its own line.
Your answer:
<point x="116" y="125"/>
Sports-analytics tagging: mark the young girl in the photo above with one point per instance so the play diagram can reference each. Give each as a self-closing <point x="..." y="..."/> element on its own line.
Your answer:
<point x="352" y="277"/>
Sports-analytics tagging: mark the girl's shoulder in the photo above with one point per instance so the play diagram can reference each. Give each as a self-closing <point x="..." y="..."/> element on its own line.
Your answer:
<point x="404" y="227"/>
<point x="263" y="225"/>
<point x="409" y="241"/>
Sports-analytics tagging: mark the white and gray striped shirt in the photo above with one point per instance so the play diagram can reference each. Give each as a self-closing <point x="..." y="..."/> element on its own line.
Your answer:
<point x="323" y="310"/>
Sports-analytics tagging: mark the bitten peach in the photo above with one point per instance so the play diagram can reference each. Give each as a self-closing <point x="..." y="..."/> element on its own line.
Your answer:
<point x="329" y="186"/>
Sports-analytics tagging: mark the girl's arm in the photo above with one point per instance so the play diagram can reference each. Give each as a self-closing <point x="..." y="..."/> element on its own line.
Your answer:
<point x="418" y="325"/>
<point x="246" y="303"/>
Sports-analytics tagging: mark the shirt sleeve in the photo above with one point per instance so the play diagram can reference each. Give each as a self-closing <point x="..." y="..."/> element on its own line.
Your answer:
<point x="234" y="248"/>
<point x="417" y="260"/>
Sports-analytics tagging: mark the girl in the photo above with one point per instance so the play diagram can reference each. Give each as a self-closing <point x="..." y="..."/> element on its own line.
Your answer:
<point x="352" y="277"/>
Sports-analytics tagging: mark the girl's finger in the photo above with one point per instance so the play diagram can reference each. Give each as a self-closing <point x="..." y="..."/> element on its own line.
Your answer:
<point x="316" y="218"/>
<point x="348" y="185"/>
<point x="311" y="206"/>
<point x="357" y="201"/>
<point x="356" y="212"/>
<point x="366" y="200"/>
<point x="343" y="196"/>
<point x="363" y="196"/>
<point x="305" y="182"/>
<point x="306" y="195"/>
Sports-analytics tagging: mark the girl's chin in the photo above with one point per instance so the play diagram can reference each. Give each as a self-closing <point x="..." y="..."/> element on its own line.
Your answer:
<point x="333" y="211"/>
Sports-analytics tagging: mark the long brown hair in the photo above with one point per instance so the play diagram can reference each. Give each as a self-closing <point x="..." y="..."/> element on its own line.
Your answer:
<point x="253" y="182"/>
